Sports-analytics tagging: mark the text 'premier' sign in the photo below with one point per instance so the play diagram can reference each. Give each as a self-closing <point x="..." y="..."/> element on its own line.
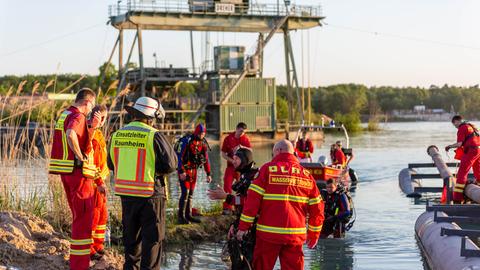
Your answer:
<point x="224" y="8"/>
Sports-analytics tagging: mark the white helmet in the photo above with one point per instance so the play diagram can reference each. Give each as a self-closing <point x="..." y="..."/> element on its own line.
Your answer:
<point x="149" y="107"/>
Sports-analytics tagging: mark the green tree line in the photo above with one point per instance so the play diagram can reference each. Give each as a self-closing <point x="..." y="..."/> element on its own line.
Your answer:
<point x="347" y="99"/>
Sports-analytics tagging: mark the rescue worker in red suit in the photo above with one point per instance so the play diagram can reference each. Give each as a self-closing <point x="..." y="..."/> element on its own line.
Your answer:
<point x="281" y="198"/>
<point x="194" y="156"/>
<point x="232" y="142"/>
<point x="468" y="139"/>
<point x="337" y="155"/>
<point x="304" y="148"/>
<point x="69" y="157"/>
<point x="100" y="214"/>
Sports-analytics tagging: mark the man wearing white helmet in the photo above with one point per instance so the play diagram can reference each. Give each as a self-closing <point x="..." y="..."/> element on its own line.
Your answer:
<point x="141" y="158"/>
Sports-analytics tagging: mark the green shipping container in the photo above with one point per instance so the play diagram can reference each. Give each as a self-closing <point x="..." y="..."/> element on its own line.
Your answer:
<point x="257" y="117"/>
<point x="254" y="90"/>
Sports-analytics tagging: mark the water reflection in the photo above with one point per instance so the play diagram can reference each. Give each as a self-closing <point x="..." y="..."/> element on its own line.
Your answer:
<point x="331" y="254"/>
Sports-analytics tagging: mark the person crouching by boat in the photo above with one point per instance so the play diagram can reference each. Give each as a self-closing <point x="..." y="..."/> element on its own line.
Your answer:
<point x="304" y="148"/>
<point x="336" y="154"/>
<point x="337" y="210"/>
<point x="193" y="156"/>
<point x="241" y="252"/>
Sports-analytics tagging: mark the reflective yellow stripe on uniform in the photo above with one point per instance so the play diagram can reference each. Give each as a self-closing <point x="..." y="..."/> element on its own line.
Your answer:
<point x="80" y="252"/>
<point x="257" y="189"/>
<point x="101" y="227"/>
<point x="459" y="185"/>
<point x="315" y="201"/>
<point x="246" y="218"/>
<point x="281" y="230"/>
<point x="79" y="242"/>
<point x="284" y="197"/>
<point x="314" y="228"/>
<point x="458" y="190"/>
<point x="98" y="235"/>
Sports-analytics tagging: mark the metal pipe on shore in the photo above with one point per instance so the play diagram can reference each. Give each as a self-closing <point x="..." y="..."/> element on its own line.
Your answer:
<point x="447" y="176"/>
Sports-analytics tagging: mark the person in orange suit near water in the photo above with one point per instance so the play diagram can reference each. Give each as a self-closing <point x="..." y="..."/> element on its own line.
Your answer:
<point x="100" y="214"/>
<point x="304" y="148"/>
<point x="468" y="141"/>
<point x="280" y="199"/>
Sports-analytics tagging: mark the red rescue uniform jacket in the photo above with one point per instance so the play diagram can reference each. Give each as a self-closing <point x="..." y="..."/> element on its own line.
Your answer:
<point x="231" y="142"/>
<point x="304" y="148"/>
<point x="340" y="158"/>
<point x="465" y="135"/>
<point x="283" y="195"/>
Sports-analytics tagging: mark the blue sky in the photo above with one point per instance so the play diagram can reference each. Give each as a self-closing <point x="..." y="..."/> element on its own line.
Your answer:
<point x="374" y="42"/>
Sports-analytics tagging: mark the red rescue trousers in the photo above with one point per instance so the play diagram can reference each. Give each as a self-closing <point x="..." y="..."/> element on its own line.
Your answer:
<point x="230" y="175"/>
<point x="79" y="191"/>
<point x="99" y="224"/>
<point x="265" y="255"/>
<point x="471" y="159"/>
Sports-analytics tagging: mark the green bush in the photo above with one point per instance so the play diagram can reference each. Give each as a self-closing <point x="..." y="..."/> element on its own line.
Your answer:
<point x="351" y="121"/>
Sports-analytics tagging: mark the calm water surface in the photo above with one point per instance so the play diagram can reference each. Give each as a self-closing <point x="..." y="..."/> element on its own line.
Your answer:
<point x="383" y="235"/>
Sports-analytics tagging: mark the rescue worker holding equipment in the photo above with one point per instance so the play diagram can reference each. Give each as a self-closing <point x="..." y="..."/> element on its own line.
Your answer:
<point x="100" y="213"/>
<point x="141" y="158"/>
<point x="70" y="159"/>
<point x="304" y="148"/>
<point x="241" y="252"/>
<point x="232" y="142"/>
<point x="337" y="210"/>
<point x="192" y="154"/>
<point x="282" y="196"/>
<point x="468" y="141"/>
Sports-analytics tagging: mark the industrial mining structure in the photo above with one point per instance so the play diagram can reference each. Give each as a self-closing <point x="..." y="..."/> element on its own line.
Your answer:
<point x="235" y="89"/>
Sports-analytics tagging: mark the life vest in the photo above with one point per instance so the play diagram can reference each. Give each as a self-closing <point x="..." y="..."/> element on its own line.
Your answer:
<point x="100" y="154"/>
<point x="333" y="203"/>
<point x="189" y="151"/>
<point x="475" y="135"/>
<point x="303" y="148"/>
<point x="62" y="159"/>
<point x="133" y="156"/>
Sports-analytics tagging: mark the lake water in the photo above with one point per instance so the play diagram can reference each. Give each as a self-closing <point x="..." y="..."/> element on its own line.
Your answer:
<point x="383" y="235"/>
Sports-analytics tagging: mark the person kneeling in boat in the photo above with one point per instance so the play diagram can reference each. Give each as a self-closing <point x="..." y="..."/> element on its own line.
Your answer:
<point x="337" y="210"/>
<point x="304" y="148"/>
<point x="241" y="252"/>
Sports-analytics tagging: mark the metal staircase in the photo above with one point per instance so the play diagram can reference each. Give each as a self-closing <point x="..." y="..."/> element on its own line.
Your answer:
<point x="231" y="87"/>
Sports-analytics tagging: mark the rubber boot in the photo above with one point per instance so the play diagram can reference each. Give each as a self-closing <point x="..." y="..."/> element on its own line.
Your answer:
<point x="181" y="213"/>
<point x="188" y="210"/>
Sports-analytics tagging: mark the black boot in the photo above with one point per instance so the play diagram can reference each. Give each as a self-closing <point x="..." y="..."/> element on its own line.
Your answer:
<point x="188" y="210"/>
<point x="181" y="213"/>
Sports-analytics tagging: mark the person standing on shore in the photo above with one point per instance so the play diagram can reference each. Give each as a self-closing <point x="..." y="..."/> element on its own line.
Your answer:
<point x="141" y="158"/>
<point x="281" y="198"/>
<point x="232" y="143"/>
<point x="69" y="158"/>
<point x="100" y="213"/>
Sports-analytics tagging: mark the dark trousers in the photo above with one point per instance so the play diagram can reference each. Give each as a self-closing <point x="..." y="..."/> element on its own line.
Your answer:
<point x="336" y="228"/>
<point x="143" y="231"/>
